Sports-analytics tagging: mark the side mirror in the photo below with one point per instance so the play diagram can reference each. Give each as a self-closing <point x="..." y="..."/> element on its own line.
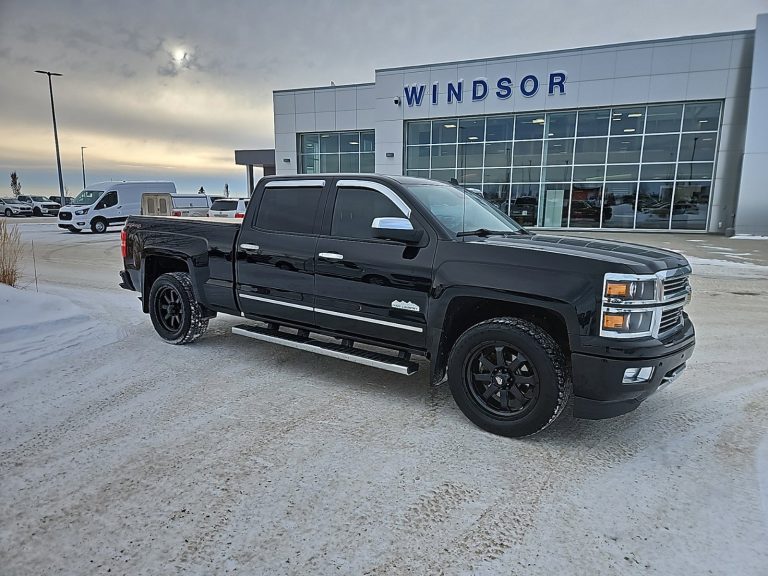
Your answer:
<point x="397" y="229"/>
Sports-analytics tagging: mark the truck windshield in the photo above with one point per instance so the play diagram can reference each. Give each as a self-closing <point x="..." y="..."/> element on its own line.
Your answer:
<point x="463" y="212"/>
<point x="87" y="197"/>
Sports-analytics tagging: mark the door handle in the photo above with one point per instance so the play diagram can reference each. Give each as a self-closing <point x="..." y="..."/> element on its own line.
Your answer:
<point x="249" y="246"/>
<point x="118" y="207"/>
<point x="331" y="256"/>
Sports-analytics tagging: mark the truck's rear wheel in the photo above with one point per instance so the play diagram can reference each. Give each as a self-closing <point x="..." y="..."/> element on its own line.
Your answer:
<point x="509" y="377"/>
<point x="176" y="315"/>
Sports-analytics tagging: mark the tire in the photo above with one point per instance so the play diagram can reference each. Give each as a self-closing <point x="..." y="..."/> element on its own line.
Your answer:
<point x="183" y="323"/>
<point x="37" y="212"/>
<point x="8" y="212"/>
<point x="527" y="387"/>
<point x="98" y="226"/>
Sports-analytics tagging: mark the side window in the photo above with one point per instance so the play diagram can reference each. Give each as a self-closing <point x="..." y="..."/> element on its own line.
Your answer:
<point x="289" y="209"/>
<point x="108" y="201"/>
<point x="355" y="209"/>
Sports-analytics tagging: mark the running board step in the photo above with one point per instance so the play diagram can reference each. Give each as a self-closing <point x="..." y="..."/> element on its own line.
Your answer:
<point x="375" y="359"/>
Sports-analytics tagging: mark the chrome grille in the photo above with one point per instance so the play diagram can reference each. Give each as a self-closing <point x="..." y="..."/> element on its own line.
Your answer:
<point x="675" y="287"/>
<point x="671" y="319"/>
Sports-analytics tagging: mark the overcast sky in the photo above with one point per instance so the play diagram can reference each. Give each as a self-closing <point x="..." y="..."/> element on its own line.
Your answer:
<point x="168" y="90"/>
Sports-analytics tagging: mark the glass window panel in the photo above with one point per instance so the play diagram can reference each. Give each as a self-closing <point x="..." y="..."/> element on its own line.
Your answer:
<point x="657" y="172"/>
<point x="472" y="130"/>
<point x="689" y="210"/>
<point x="329" y="163"/>
<point x="698" y="147"/>
<point x="557" y="174"/>
<point x="498" y="195"/>
<point x="555" y="199"/>
<point x="444" y="156"/>
<point x="349" y="163"/>
<point x="700" y="117"/>
<point x="620" y="198"/>
<point x="442" y="175"/>
<point x="501" y="128"/>
<point x="444" y="131"/>
<point x="660" y="148"/>
<point x="419" y="132"/>
<point x="310" y="143"/>
<point x="417" y="173"/>
<point x="368" y="141"/>
<point x="586" y="199"/>
<point x="621" y="172"/>
<point x="355" y="209"/>
<point x="653" y="204"/>
<point x="524" y="203"/>
<point x="664" y="118"/>
<point x="289" y="209"/>
<point x="594" y="122"/>
<point x="627" y="120"/>
<point x="527" y="153"/>
<point x="589" y="173"/>
<point x="329" y="143"/>
<point x="496" y="175"/>
<point x="624" y="149"/>
<point x="470" y="175"/>
<point x="529" y="126"/>
<point x="470" y="155"/>
<point x="694" y="171"/>
<point x="349" y="141"/>
<point x="526" y="174"/>
<point x="499" y="154"/>
<point x="561" y="125"/>
<point x="368" y="162"/>
<point x="417" y="157"/>
<point x="590" y="150"/>
<point x="309" y="164"/>
<point x="559" y="152"/>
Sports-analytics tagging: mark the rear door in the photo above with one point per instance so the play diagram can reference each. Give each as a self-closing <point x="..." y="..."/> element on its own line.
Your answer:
<point x="276" y="251"/>
<point x="370" y="287"/>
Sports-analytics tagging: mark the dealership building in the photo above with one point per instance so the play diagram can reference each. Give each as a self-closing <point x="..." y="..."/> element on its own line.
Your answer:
<point x="667" y="134"/>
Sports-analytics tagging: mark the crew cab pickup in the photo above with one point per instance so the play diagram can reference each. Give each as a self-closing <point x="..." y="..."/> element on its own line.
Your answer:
<point x="381" y="269"/>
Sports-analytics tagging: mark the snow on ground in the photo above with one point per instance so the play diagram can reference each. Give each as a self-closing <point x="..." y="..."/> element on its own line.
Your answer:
<point x="727" y="268"/>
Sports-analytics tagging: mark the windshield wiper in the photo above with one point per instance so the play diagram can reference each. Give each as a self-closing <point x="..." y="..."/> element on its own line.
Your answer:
<point x="484" y="232"/>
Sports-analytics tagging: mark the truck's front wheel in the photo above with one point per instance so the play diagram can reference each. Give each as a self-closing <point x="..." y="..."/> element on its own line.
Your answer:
<point x="176" y="315"/>
<point x="509" y="377"/>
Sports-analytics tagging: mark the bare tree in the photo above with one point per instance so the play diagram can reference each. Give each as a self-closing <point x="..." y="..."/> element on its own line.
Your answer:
<point x="15" y="184"/>
<point x="201" y="191"/>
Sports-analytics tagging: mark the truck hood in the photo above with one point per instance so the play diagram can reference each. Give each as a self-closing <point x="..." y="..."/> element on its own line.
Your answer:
<point x="641" y="259"/>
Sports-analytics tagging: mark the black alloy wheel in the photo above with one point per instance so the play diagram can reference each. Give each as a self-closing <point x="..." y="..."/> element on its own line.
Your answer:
<point x="170" y="307"/>
<point x="501" y="379"/>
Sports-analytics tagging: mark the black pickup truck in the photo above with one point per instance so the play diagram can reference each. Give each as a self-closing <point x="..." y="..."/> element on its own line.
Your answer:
<point x="378" y="269"/>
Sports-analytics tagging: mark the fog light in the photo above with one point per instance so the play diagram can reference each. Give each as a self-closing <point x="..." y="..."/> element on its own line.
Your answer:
<point x="637" y="375"/>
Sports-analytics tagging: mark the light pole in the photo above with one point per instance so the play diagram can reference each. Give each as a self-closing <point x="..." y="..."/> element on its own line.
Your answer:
<point x="55" y="132"/>
<point x="82" y="161"/>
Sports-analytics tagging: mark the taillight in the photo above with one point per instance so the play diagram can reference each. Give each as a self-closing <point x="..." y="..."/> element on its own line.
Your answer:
<point x="123" y="243"/>
<point x="176" y="213"/>
<point x="239" y="214"/>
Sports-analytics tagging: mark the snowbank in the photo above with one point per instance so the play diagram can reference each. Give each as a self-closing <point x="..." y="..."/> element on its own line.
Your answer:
<point x="727" y="268"/>
<point x="35" y="325"/>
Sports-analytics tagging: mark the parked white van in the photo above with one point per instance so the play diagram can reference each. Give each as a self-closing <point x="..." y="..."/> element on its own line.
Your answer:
<point x="185" y="205"/>
<point x="106" y="203"/>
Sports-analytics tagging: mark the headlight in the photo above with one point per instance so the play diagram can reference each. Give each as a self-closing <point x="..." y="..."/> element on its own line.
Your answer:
<point x="81" y="212"/>
<point x="636" y="290"/>
<point x="635" y="322"/>
<point x="630" y="305"/>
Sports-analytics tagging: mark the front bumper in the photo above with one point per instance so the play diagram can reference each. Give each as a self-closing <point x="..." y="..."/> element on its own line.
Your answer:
<point x="597" y="380"/>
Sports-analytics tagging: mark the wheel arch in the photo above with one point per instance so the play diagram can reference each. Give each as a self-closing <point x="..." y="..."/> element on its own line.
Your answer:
<point x="155" y="265"/>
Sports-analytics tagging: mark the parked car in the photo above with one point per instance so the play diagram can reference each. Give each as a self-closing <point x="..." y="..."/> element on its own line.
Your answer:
<point x="13" y="207"/>
<point x="57" y="200"/>
<point x="108" y="203"/>
<point x="229" y="208"/>
<point x="517" y="322"/>
<point x="41" y="206"/>
<point x="187" y="205"/>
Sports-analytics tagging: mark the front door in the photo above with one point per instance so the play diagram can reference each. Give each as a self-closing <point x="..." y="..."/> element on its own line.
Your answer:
<point x="365" y="286"/>
<point x="276" y="252"/>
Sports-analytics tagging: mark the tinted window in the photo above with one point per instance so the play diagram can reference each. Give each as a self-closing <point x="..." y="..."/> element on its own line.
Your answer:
<point x="224" y="205"/>
<point x="108" y="201"/>
<point x="289" y="209"/>
<point x="355" y="210"/>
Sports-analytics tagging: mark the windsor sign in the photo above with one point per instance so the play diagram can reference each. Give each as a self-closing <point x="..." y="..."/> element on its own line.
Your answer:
<point x="416" y="94"/>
